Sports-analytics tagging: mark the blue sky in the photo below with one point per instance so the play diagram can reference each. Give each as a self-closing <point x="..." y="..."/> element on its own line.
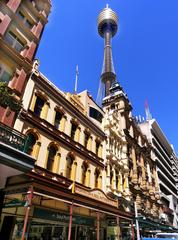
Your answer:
<point x="145" y="52"/>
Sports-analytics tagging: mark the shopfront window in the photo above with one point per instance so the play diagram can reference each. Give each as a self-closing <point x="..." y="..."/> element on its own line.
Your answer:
<point x="51" y="225"/>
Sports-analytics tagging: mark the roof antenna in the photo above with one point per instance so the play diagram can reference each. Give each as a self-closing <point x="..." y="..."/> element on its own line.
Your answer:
<point x="76" y="79"/>
<point x="147" y="111"/>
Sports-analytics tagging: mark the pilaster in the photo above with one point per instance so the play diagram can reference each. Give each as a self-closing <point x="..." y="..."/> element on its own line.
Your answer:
<point x="44" y="111"/>
<point x="13" y="4"/>
<point x="36" y="150"/>
<point x="4" y="24"/>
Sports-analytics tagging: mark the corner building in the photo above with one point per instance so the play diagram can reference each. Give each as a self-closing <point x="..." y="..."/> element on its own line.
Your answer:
<point x="21" y="25"/>
<point x="68" y="182"/>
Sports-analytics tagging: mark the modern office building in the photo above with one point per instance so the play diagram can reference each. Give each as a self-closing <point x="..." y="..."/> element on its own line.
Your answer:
<point x="166" y="167"/>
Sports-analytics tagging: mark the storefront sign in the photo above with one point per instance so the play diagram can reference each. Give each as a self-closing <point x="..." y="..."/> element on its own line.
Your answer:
<point x="97" y="195"/>
<point x="14" y="203"/>
<point x="62" y="217"/>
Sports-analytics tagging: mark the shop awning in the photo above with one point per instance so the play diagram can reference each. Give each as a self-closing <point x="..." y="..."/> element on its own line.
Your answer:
<point x="147" y="223"/>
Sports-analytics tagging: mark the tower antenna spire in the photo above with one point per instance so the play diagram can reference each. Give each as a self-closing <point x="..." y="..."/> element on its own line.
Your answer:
<point x="107" y="28"/>
<point x="76" y="79"/>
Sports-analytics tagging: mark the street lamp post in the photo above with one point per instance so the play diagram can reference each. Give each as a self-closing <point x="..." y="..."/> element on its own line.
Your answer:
<point x="136" y="221"/>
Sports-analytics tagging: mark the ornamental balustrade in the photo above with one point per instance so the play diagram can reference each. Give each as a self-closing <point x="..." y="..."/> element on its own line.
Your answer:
<point x="12" y="137"/>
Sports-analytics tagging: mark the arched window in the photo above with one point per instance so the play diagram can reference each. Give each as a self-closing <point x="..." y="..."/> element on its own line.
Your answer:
<point x="51" y="157"/>
<point x="97" y="147"/>
<point x="117" y="179"/>
<point x="30" y="142"/>
<point x="97" y="173"/>
<point x="38" y="106"/>
<point x="84" y="172"/>
<point x="69" y="160"/>
<point x="87" y="136"/>
<point x="73" y="130"/>
<point x="57" y="120"/>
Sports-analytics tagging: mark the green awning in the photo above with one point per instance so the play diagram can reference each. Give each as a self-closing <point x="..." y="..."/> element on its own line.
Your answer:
<point x="147" y="223"/>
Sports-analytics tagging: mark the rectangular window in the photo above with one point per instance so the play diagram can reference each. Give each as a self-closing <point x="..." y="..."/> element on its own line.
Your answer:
<point x="20" y="15"/>
<point x="4" y="75"/>
<point x="38" y="106"/>
<point x="24" y="19"/>
<point x="14" y="41"/>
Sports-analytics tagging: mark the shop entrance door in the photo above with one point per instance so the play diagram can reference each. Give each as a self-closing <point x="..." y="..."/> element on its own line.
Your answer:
<point x="7" y="227"/>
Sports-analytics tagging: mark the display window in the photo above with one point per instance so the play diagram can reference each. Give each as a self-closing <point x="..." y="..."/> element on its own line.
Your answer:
<point x="46" y="230"/>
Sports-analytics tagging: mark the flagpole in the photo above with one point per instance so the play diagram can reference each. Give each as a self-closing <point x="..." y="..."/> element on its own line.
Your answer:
<point x="76" y="79"/>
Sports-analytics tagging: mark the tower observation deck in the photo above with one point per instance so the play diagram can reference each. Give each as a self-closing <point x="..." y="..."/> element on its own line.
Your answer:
<point x="107" y="28"/>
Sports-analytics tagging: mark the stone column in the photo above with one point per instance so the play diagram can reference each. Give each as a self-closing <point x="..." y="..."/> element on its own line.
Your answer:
<point x="100" y="181"/>
<point x="46" y="159"/>
<point x="77" y="134"/>
<point x="120" y="182"/>
<point x="4" y="24"/>
<point x="44" y="111"/>
<point x="36" y="150"/>
<point x="148" y="206"/>
<point x="126" y="183"/>
<point x="94" y="144"/>
<point x="88" y="174"/>
<point x="89" y="144"/>
<point x="33" y="102"/>
<point x="56" y="163"/>
<point x="100" y="151"/>
<point x="30" y="52"/>
<point x="18" y="80"/>
<point x="13" y="4"/>
<point x="73" y="172"/>
<point x="156" y="179"/>
<point x="149" y="173"/>
<point x="108" y="174"/>
<point x="134" y="175"/>
<point x="62" y="123"/>
<point x="157" y="194"/>
<point x="138" y="201"/>
<point x="114" y="178"/>
<point x="143" y="181"/>
<point x="37" y="29"/>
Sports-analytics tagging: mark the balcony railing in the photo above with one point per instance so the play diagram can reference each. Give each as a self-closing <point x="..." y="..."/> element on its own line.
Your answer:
<point x="12" y="137"/>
